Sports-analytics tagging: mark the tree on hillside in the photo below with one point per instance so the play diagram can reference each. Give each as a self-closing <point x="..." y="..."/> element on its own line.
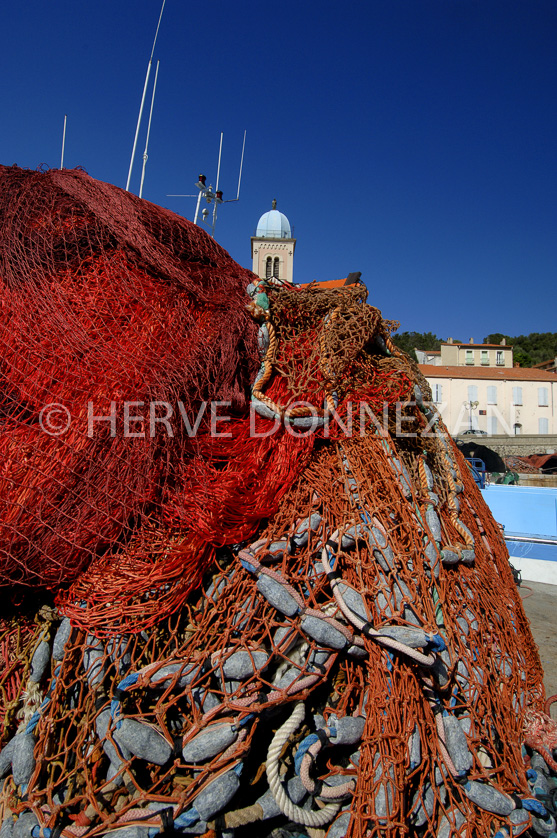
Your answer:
<point x="409" y="341"/>
<point x="529" y="349"/>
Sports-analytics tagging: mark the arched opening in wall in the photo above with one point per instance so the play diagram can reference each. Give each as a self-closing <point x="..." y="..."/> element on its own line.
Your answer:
<point x="517" y="428"/>
<point x="276" y="267"/>
<point x="269" y="267"/>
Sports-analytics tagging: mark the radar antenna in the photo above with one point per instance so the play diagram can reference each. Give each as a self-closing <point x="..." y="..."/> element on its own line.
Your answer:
<point x="213" y="196"/>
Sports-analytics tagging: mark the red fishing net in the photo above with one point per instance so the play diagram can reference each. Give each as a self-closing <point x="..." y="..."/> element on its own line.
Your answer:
<point x="288" y="616"/>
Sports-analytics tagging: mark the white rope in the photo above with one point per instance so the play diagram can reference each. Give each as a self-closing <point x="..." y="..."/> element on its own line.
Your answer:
<point x="293" y="812"/>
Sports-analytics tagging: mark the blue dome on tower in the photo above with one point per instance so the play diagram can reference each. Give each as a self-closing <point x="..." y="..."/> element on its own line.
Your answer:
<point x="273" y="225"/>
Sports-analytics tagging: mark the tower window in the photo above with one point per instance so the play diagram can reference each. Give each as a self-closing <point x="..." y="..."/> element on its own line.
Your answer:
<point x="276" y="264"/>
<point x="269" y="267"/>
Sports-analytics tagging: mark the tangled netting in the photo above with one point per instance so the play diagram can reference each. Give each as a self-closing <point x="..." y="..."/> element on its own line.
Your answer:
<point x="288" y="615"/>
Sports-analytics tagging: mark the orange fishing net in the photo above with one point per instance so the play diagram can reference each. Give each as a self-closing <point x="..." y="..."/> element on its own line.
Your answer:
<point x="296" y="619"/>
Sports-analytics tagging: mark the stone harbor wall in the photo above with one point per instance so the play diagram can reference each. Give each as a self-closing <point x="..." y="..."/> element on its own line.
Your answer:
<point x="521" y="446"/>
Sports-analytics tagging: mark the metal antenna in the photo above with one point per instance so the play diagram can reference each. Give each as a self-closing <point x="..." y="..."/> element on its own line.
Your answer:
<point x="143" y="100"/>
<point x="63" y="141"/>
<point x="237" y="198"/>
<point x="148" y="132"/>
<point x="217" y="189"/>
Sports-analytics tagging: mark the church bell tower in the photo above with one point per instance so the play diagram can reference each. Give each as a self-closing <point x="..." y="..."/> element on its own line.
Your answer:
<point x="272" y="247"/>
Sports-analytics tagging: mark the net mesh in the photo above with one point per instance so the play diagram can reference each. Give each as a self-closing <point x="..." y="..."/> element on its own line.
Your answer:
<point x="295" y="619"/>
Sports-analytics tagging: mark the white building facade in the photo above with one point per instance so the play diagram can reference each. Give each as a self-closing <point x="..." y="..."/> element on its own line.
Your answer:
<point x="497" y="400"/>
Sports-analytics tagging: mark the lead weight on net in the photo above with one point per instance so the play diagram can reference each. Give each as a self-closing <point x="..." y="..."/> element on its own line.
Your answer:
<point x="215" y="589"/>
<point x="6" y="757"/>
<point x="428" y="476"/>
<point x="379" y="537"/>
<point x="318" y="658"/>
<point x="440" y="671"/>
<point x="287" y="678"/>
<point x="301" y="534"/>
<point x="433" y="556"/>
<point x="467" y="556"/>
<point x="438" y="776"/>
<point x="260" y="407"/>
<point x="385" y="558"/>
<point x="23" y="762"/>
<point x="242" y="614"/>
<point x="101" y="726"/>
<point x="422" y="806"/>
<point x="39" y="661"/>
<point x="539" y="764"/>
<point x="348" y="730"/>
<point x="295" y="791"/>
<point x="412" y="637"/>
<point x="323" y="632"/>
<point x="7" y="828"/>
<point x="538" y="782"/>
<point x="278" y="549"/>
<point x="520" y="819"/>
<point x="143" y="741"/>
<point x="433" y="498"/>
<point x="217" y="795"/>
<point x="117" y="650"/>
<point x="209" y="742"/>
<point x="543" y="826"/>
<point x="385" y="794"/>
<point x="164" y="677"/>
<point x="410" y="616"/>
<point x="339" y="827"/>
<point x="449" y="557"/>
<point x="348" y="540"/>
<point x="403" y="477"/>
<point x="488" y="798"/>
<point x="315" y="572"/>
<point x="285" y="637"/>
<point x="113" y="774"/>
<point x="128" y="832"/>
<point x="24" y="825"/>
<point x="463" y="626"/>
<point x="93" y="658"/>
<point x="415" y="748"/>
<point x="354" y="600"/>
<point x="61" y="638"/>
<point x="358" y="652"/>
<point x="242" y="664"/>
<point x="263" y="339"/>
<point x="418" y="395"/>
<point x="457" y="744"/>
<point x="382" y="606"/>
<point x="433" y="523"/>
<point x="472" y="621"/>
<point x="446" y="828"/>
<point x="204" y="699"/>
<point x="277" y="595"/>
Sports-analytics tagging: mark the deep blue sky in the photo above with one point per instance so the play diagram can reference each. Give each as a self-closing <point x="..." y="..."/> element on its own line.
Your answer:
<point x="413" y="140"/>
